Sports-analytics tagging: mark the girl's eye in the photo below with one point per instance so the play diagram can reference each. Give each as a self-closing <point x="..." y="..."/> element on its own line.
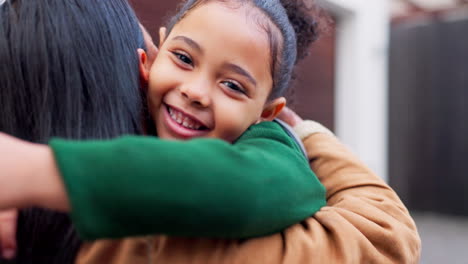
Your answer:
<point x="183" y="58"/>
<point x="235" y="87"/>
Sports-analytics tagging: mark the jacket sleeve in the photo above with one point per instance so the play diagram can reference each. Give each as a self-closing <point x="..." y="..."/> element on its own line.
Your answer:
<point x="364" y="220"/>
<point x="204" y="187"/>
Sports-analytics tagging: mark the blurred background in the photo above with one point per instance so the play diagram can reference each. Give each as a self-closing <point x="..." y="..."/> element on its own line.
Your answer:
<point x="390" y="77"/>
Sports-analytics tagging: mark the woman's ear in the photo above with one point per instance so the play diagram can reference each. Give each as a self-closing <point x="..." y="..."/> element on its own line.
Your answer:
<point x="273" y="108"/>
<point x="143" y="67"/>
<point x="162" y="36"/>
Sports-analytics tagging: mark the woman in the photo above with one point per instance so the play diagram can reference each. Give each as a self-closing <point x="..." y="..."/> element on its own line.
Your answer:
<point x="72" y="88"/>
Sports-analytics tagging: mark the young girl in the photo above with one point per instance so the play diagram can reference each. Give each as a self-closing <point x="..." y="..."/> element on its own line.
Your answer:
<point x="201" y="85"/>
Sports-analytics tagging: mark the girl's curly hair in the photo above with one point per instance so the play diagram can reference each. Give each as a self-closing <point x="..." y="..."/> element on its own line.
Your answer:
<point x="309" y="22"/>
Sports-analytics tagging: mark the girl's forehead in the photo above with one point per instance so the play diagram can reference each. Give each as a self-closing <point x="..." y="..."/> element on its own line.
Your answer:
<point x="228" y="19"/>
<point x="248" y="12"/>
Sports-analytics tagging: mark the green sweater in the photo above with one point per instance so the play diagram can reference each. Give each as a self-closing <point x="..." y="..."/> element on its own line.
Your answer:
<point x="203" y="187"/>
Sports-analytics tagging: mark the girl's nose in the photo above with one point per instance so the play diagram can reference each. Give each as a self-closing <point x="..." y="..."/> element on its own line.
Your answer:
<point x="198" y="93"/>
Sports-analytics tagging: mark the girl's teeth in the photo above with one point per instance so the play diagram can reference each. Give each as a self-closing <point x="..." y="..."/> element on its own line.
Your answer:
<point x="182" y="120"/>
<point x="188" y="123"/>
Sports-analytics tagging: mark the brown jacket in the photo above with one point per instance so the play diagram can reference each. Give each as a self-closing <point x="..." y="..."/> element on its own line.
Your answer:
<point x="364" y="222"/>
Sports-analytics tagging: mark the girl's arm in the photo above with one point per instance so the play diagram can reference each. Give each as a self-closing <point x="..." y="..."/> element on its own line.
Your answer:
<point x="364" y="222"/>
<point x="361" y="208"/>
<point x="204" y="187"/>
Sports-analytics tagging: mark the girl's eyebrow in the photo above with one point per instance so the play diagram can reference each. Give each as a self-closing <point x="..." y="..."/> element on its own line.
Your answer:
<point x="192" y="43"/>
<point x="239" y="70"/>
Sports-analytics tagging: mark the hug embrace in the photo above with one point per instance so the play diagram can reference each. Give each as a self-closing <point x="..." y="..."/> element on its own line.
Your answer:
<point x="170" y="153"/>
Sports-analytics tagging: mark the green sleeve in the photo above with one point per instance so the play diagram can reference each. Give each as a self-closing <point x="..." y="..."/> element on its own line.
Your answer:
<point x="202" y="187"/>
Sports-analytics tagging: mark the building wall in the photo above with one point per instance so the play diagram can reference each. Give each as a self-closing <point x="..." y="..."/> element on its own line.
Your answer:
<point x="154" y="14"/>
<point x="313" y="89"/>
<point x="361" y="83"/>
<point x="428" y="112"/>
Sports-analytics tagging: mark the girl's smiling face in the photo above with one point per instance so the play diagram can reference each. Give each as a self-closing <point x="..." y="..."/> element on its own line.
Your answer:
<point x="212" y="76"/>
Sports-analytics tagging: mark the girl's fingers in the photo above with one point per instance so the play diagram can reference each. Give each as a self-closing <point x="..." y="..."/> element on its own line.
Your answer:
<point x="290" y="117"/>
<point x="8" y="220"/>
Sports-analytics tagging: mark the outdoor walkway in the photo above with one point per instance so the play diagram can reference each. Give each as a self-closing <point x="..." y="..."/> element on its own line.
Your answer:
<point x="444" y="238"/>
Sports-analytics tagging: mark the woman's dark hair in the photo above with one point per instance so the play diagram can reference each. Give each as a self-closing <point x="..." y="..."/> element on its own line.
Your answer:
<point x="298" y="28"/>
<point x="67" y="69"/>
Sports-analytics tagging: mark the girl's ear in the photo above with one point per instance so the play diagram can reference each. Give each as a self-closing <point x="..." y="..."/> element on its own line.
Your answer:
<point x="273" y="108"/>
<point x="162" y="35"/>
<point x="144" y="68"/>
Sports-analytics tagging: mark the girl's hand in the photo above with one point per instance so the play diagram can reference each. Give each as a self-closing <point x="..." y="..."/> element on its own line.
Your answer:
<point x="8" y="220"/>
<point x="302" y="128"/>
<point x="290" y="117"/>
<point x="29" y="176"/>
<point x="14" y="167"/>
